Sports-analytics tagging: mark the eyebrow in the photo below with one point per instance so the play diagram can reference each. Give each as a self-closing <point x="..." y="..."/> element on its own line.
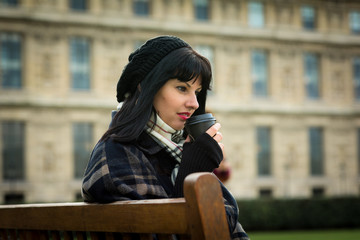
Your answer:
<point x="200" y="88"/>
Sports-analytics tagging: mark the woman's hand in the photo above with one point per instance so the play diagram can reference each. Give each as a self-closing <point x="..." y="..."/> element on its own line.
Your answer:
<point x="213" y="131"/>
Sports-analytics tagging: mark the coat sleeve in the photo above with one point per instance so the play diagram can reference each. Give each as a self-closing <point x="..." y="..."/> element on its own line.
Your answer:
<point x="232" y="213"/>
<point x="116" y="172"/>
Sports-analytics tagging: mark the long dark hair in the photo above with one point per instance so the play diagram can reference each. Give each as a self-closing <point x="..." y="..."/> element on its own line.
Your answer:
<point x="183" y="64"/>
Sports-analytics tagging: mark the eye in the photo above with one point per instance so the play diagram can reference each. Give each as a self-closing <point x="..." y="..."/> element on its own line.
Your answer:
<point x="181" y="88"/>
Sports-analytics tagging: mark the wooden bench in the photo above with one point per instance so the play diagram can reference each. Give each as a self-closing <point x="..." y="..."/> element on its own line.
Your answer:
<point x="199" y="215"/>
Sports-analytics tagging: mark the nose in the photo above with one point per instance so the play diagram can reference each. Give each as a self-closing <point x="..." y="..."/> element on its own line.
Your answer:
<point x="192" y="102"/>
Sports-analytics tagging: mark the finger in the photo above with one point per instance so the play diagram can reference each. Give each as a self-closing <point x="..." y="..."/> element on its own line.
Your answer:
<point x="213" y="129"/>
<point x="222" y="147"/>
<point x="218" y="137"/>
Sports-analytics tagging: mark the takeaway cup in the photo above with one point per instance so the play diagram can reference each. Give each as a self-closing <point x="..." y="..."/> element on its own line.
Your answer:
<point x="197" y="125"/>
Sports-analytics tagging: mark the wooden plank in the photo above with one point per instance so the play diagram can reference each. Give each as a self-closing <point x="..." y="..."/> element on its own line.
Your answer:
<point x="206" y="210"/>
<point x="129" y="216"/>
<point x="202" y="216"/>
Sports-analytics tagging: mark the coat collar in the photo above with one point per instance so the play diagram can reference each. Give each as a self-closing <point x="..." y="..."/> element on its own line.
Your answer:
<point x="147" y="144"/>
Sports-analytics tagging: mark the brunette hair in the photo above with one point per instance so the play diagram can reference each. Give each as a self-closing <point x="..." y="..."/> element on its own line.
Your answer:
<point x="183" y="64"/>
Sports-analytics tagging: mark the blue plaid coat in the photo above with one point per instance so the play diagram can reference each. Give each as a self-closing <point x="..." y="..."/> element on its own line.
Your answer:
<point x="139" y="170"/>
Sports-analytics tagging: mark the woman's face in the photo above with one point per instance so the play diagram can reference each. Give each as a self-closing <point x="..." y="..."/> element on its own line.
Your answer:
<point x="176" y="101"/>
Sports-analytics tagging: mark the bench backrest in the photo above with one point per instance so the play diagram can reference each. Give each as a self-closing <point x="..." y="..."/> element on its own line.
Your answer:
<point x="199" y="215"/>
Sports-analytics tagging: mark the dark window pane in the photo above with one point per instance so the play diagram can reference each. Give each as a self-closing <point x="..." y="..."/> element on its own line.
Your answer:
<point x="141" y="7"/>
<point x="9" y="2"/>
<point x="316" y="151"/>
<point x="14" y="198"/>
<point x="356" y="77"/>
<point x="82" y="139"/>
<point x="10" y="64"/>
<point x="263" y="151"/>
<point x="265" y="193"/>
<point x="312" y="84"/>
<point x="78" y="5"/>
<point x="318" y="192"/>
<point x="354" y="21"/>
<point x="80" y="63"/>
<point x="358" y="150"/>
<point x="256" y="14"/>
<point x="201" y="9"/>
<point x="308" y="17"/>
<point x="13" y="149"/>
<point x="259" y="73"/>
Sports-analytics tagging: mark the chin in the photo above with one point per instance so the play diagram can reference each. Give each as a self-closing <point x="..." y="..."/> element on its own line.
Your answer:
<point x="179" y="127"/>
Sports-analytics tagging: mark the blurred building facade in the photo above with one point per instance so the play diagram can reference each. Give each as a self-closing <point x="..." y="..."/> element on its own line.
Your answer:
<point x="286" y="89"/>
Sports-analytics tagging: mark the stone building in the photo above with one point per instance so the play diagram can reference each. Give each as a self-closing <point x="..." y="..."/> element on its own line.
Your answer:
<point x="286" y="89"/>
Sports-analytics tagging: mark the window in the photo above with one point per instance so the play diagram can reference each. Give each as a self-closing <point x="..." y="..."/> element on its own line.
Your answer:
<point x="208" y="52"/>
<point x="358" y="150"/>
<point x="354" y="21"/>
<point x="201" y="9"/>
<point x="256" y="14"/>
<point x="265" y="193"/>
<point x="141" y="7"/>
<point x="263" y="150"/>
<point x="356" y="77"/>
<point x="78" y="197"/>
<point x="316" y="151"/>
<point x="259" y="73"/>
<point x="308" y="17"/>
<point x="14" y="198"/>
<point x="311" y="72"/>
<point x="318" y="192"/>
<point x="9" y="2"/>
<point x="13" y="150"/>
<point x="10" y="64"/>
<point x="82" y="142"/>
<point x="78" y="5"/>
<point x="80" y="63"/>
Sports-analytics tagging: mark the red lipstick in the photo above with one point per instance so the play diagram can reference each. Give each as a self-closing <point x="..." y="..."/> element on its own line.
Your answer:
<point x="184" y="115"/>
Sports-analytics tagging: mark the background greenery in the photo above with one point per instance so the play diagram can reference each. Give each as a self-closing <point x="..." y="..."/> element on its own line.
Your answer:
<point x="295" y="214"/>
<point x="346" y="234"/>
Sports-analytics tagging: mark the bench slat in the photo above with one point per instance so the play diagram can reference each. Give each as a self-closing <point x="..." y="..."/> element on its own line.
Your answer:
<point x="198" y="216"/>
<point x="137" y="216"/>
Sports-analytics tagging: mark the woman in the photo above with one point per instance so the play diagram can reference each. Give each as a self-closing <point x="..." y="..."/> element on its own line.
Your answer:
<point x="144" y="155"/>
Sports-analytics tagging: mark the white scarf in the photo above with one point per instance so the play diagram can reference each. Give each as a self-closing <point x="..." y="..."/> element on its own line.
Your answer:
<point x="168" y="137"/>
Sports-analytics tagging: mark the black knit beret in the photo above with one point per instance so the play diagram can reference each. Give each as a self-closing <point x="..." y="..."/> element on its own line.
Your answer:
<point x="143" y="60"/>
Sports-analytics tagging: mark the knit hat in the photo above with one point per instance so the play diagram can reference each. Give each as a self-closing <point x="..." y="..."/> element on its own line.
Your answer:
<point x="143" y="60"/>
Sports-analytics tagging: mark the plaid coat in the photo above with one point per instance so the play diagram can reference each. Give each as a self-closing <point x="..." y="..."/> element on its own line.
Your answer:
<point x="140" y="170"/>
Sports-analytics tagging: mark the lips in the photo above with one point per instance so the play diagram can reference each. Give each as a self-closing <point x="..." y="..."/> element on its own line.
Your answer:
<point x="184" y="115"/>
